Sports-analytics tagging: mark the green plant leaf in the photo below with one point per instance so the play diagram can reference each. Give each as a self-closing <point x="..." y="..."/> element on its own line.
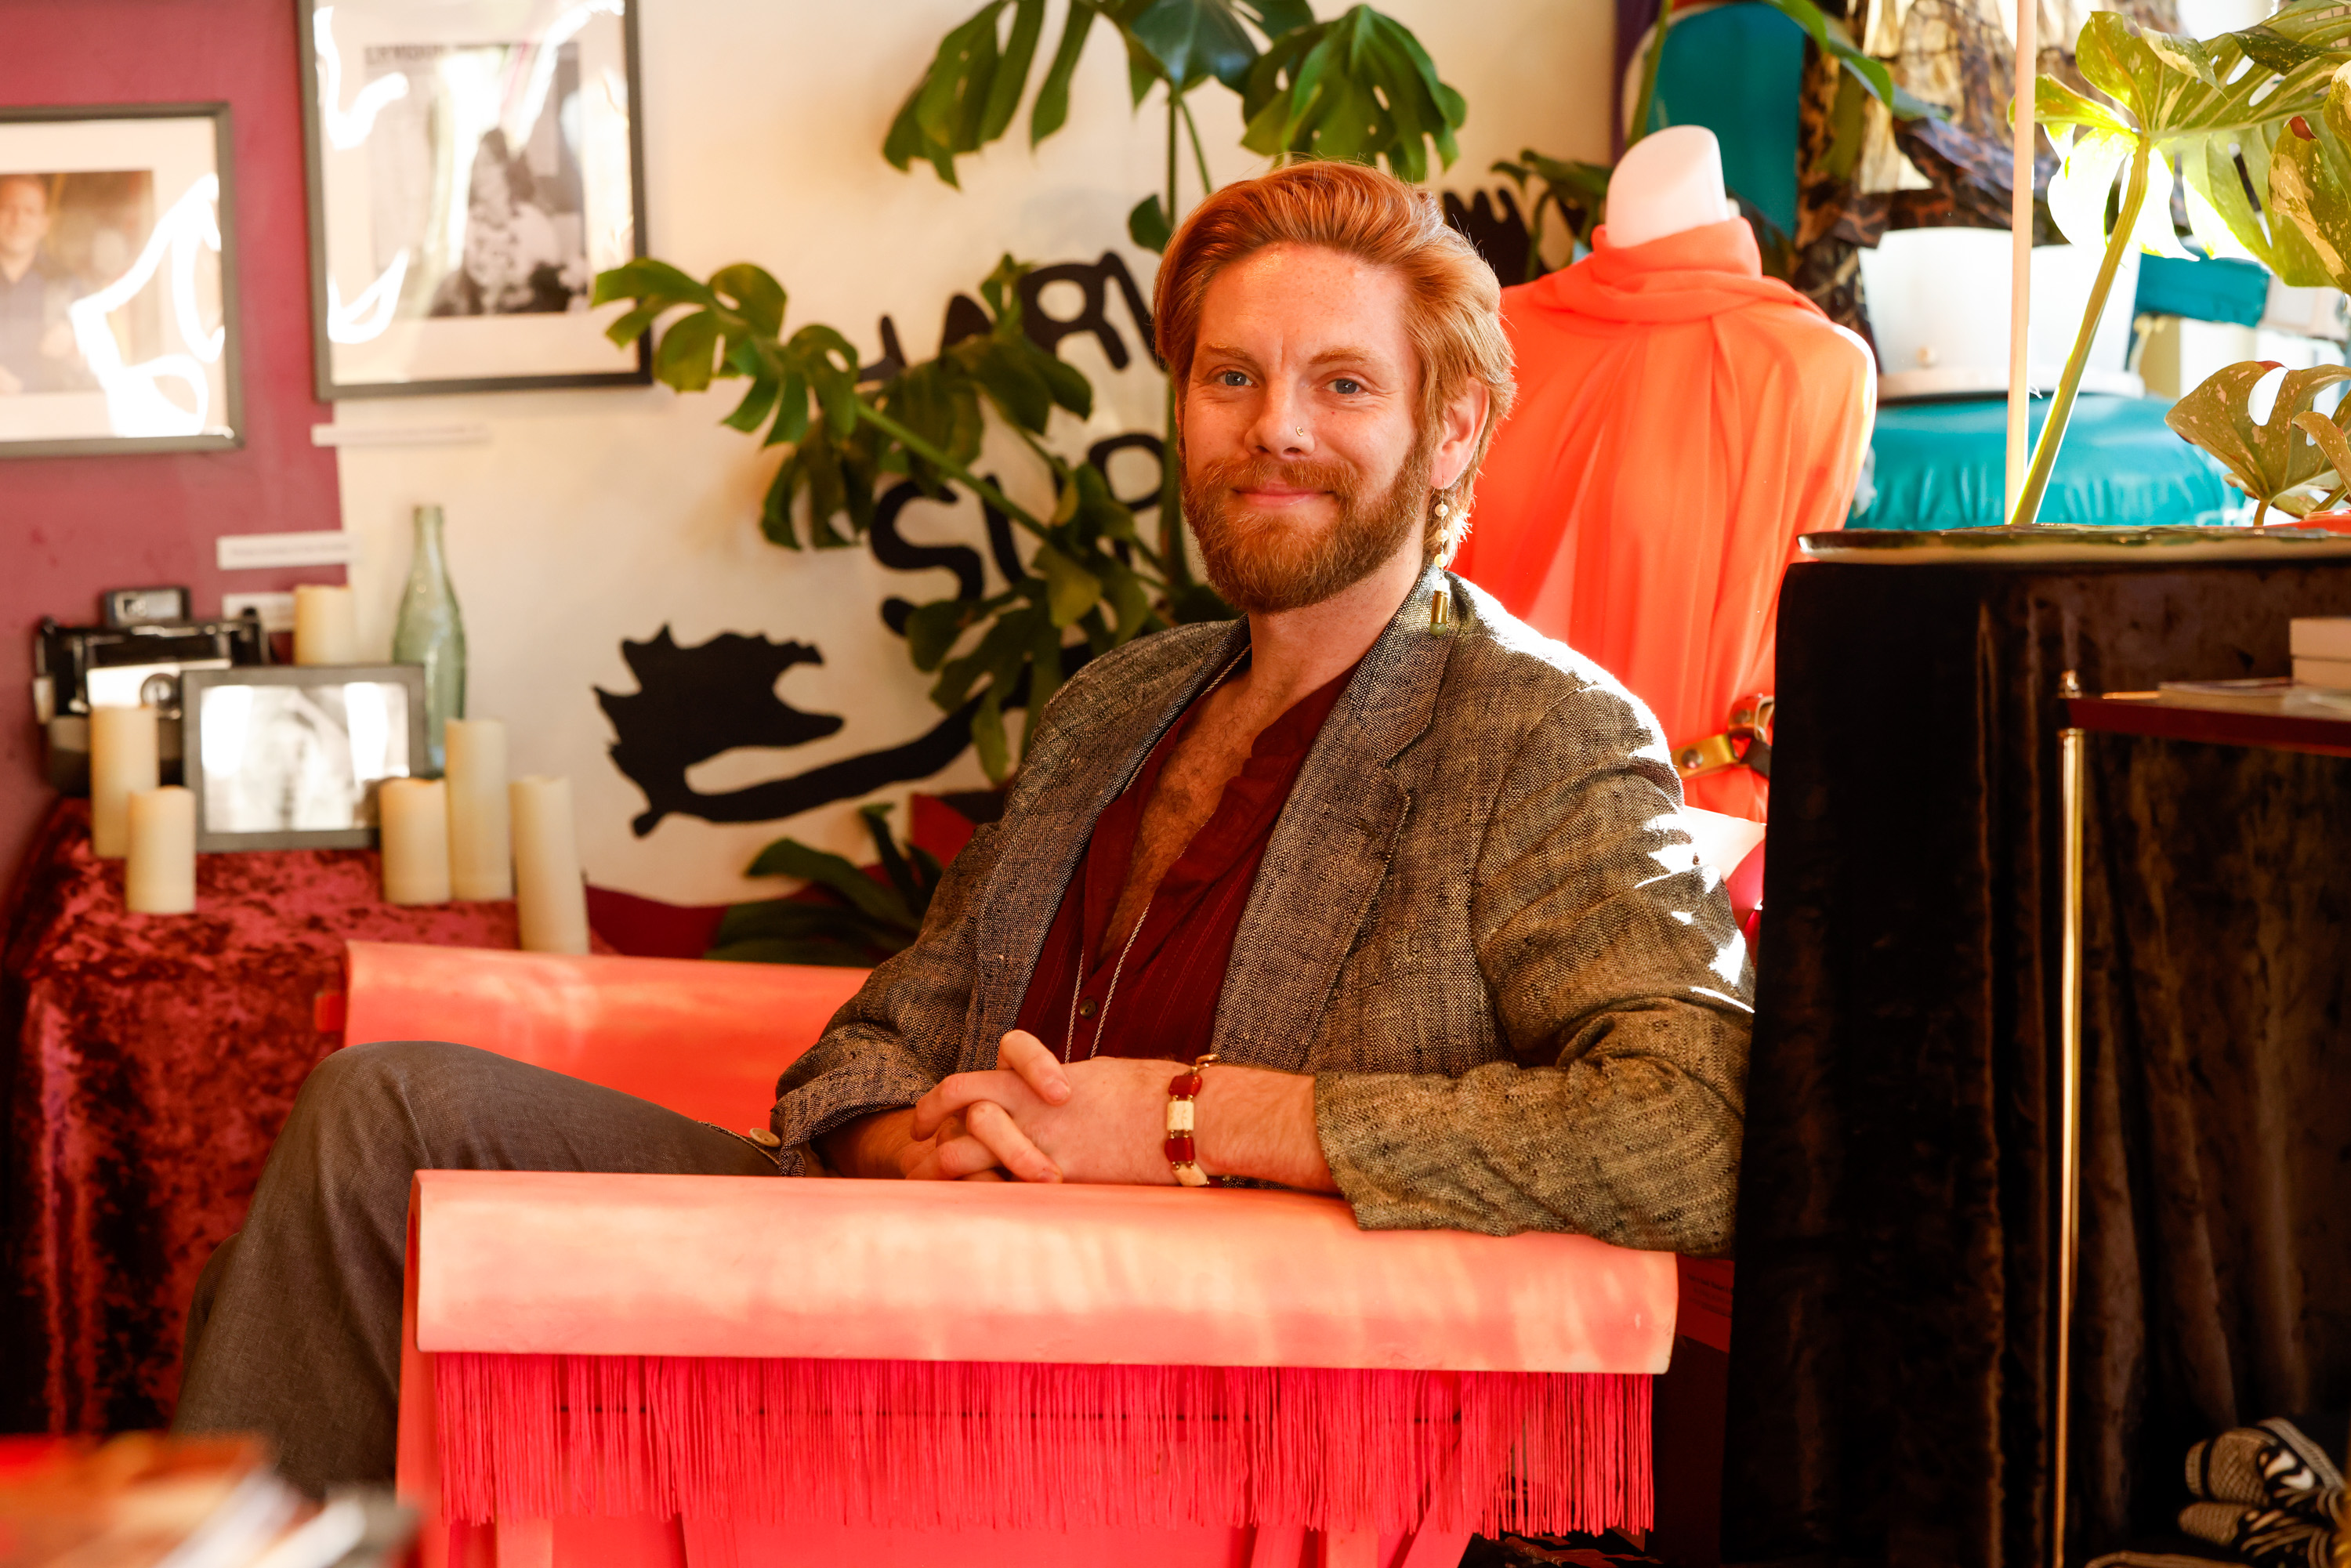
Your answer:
<point x="1018" y="393"/>
<point x="682" y="358"/>
<point x="753" y="410"/>
<point x="2310" y="182"/>
<point x="1011" y="70"/>
<point x="1829" y="36"/>
<point x="790" y="857"/>
<point x="988" y="740"/>
<point x="1147" y="226"/>
<point x="1188" y="41"/>
<point x="793" y="919"/>
<point x="2267" y="458"/>
<point x="886" y="848"/>
<point x="1052" y="109"/>
<point x="1044" y="675"/>
<point x="755" y="294"/>
<point x="628" y="327"/>
<point x="931" y="630"/>
<point x="2203" y="105"/>
<point x="647" y="279"/>
<point x="1358" y="87"/>
<point x="1070" y="589"/>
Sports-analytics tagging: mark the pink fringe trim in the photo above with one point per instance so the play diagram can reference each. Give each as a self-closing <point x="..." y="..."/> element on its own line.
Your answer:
<point x="1010" y="1445"/>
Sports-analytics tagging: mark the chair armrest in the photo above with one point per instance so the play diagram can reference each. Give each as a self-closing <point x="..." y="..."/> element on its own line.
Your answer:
<point x="540" y="1263"/>
<point x="704" y="1039"/>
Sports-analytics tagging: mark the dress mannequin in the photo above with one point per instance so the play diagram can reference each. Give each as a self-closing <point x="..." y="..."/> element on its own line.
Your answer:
<point x="1680" y="420"/>
<point x="1669" y="180"/>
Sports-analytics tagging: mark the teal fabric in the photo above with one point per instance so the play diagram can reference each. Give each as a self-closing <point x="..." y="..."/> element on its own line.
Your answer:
<point x="2204" y="289"/>
<point x="1943" y="465"/>
<point x="1737" y="70"/>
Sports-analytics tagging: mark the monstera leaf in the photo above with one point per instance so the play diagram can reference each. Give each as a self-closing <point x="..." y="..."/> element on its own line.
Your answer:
<point x="2207" y="105"/>
<point x="2310" y="180"/>
<point x="2295" y="449"/>
<point x="1359" y="88"/>
<point x="974" y="85"/>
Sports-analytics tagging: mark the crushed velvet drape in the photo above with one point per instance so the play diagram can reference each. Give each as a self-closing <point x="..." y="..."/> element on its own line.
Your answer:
<point x="1890" y="1355"/>
<point x="146" y="1065"/>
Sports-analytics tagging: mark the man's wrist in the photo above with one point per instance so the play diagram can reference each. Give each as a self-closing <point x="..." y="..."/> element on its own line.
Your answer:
<point x="1254" y="1122"/>
<point x="869" y="1146"/>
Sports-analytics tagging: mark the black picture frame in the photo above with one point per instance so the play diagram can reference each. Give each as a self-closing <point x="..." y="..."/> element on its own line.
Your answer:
<point x="196" y="686"/>
<point x="332" y="387"/>
<point x="231" y="436"/>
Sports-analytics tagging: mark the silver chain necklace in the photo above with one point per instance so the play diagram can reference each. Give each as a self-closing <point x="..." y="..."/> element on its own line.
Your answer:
<point x="1078" y="988"/>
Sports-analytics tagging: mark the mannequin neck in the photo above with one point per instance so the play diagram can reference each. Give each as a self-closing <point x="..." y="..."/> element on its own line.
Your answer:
<point x="1669" y="180"/>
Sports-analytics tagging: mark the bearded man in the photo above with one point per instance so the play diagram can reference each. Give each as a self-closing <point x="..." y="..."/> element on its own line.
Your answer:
<point x="1404" y="876"/>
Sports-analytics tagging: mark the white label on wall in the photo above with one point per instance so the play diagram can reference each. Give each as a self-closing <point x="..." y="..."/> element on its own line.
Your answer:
<point x="240" y="552"/>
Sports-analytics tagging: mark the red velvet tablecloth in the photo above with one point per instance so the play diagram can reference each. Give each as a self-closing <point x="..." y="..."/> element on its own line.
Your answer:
<point x="149" y="1062"/>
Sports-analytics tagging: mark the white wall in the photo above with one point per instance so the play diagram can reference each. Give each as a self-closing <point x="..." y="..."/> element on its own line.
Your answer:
<point x="592" y="516"/>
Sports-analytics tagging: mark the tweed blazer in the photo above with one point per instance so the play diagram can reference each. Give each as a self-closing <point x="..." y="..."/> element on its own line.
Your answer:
<point x="1478" y="924"/>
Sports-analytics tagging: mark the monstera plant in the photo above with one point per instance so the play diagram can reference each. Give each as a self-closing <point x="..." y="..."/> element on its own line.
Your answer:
<point x="1089" y="572"/>
<point x="1357" y="87"/>
<point x="2235" y="113"/>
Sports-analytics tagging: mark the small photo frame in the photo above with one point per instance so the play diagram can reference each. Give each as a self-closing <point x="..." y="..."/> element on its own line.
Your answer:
<point x="118" y="305"/>
<point x="472" y="165"/>
<point x="290" y="757"/>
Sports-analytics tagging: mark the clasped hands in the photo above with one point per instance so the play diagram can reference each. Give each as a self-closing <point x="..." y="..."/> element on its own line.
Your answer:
<point x="1034" y="1118"/>
<point x="1039" y="1119"/>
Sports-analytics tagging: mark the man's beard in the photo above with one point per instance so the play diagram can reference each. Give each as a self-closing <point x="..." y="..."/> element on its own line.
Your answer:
<point x="1265" y="564"/>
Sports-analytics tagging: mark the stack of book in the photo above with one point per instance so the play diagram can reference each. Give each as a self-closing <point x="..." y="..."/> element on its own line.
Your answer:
<point x="2322" y="653"/>
<point x="149" y="1501"/>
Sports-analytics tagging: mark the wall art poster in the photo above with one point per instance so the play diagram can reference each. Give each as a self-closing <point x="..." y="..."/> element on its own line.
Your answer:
<point x="117" y="328"/>
<point x="473" y="166"/>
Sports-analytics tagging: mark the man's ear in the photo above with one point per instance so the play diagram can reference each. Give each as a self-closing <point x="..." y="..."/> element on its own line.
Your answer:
<point x="1463" y="420"/>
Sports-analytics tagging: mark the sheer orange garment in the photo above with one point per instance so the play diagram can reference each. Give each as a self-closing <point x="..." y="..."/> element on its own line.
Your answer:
<point x="1681" y="418"/>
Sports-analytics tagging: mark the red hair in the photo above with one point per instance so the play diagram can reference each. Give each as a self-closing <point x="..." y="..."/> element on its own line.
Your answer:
<point x="1456" y="323"/>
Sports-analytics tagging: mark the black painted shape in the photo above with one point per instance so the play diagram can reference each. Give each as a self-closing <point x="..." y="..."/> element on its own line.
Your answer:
<point x="1000" y="545"/>
<point x="691" y="704"/>
<point x="1493" y="224"/>
<point x="893" y="549"/>
<point x="1102" y="451"/>
<point x="1047" y="330"/>
<point x="846" y="780"/>
<point x="893" y="361"/>
<point x="965" y="319"/>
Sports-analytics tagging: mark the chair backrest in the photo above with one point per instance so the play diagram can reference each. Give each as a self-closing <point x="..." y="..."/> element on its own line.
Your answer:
<point x="704" y="1039"/>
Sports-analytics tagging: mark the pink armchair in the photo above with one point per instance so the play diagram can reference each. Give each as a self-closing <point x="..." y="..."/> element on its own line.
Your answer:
<point x="673" y="1370"/>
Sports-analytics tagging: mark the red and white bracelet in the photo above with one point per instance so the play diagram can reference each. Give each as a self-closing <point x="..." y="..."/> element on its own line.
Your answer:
<point x="1183" y="1092"/>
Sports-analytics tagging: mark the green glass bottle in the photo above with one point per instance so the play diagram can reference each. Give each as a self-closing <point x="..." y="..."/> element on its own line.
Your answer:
<point x="431" y="632"/>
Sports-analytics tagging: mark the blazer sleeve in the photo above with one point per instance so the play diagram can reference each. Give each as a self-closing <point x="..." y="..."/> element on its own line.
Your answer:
<point x="1622" y="990"/>
<point x="903" y="1031"/>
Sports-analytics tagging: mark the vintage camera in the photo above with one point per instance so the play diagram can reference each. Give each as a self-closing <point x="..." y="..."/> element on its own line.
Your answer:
<point x="132" y="658"/>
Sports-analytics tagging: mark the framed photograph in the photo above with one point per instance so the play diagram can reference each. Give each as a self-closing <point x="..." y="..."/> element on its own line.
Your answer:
<point x="118" y="303"/>
<point x="286" y="757"/>
<point x="474" y="164"/>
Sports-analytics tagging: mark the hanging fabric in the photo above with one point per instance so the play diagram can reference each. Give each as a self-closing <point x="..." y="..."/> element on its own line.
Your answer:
<point x="1681" y="419"/>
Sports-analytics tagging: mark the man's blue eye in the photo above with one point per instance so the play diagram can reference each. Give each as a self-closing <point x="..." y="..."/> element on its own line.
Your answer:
<point x="1347" y="388"/>
<point x="1232" y="378"/>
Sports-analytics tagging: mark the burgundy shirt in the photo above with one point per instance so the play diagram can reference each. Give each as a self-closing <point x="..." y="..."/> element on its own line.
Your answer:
<point x="1164" y="1003"/>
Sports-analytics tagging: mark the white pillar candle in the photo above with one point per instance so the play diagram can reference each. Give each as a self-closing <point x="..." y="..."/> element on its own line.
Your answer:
<point x="159" y="877"/>
<point x="551" y="900"/>
<point x="121" y="761"/>
<point x="326" y="625"/>
<point x="413" y="816"/>
<point x="481" y="839"/>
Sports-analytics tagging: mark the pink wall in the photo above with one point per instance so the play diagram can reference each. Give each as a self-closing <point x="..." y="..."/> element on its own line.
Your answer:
<point x="71" y="526"/>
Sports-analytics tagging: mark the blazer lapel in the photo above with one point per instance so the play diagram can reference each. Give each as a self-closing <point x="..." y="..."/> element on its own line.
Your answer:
<point x="1330" y="849"/>
<point x="1043" y="844"/>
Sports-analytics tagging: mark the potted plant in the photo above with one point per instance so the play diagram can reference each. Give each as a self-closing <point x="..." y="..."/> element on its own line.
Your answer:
<point x="2242" y="117"/>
